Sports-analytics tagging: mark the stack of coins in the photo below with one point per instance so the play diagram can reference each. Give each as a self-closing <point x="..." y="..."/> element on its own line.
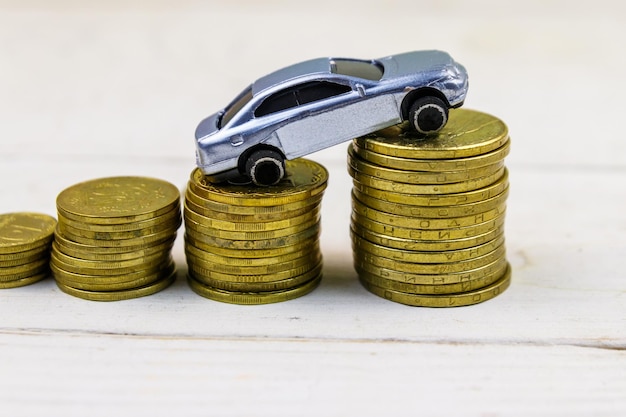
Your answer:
<point x="25" y="240"/>
<point x="255" y="245"/>
<point x="428" y="213"/>
<point x="114" y="238"/>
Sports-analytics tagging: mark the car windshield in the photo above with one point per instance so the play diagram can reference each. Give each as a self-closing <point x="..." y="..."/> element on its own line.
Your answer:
<point x="237" y="104"/>
<point x="369" y="70"/>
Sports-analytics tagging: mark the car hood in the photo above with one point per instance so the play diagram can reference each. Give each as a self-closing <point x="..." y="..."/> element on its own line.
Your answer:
<point x="414" y="62"/>
<point x="208" y="126"/>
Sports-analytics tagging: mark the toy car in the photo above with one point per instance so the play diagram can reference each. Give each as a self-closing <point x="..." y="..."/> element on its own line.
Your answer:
<point x="319" y="103"/>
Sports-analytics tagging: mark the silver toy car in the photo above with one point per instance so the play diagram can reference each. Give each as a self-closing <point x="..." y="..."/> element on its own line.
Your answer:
<point x="319" y="103"/>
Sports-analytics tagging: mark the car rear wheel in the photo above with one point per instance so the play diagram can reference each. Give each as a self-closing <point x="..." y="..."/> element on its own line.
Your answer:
<point x="265" y="167"/>
<point x="428" y="115"/>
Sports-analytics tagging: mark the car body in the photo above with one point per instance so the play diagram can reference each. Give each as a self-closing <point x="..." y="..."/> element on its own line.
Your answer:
<point x="319" y="103"/>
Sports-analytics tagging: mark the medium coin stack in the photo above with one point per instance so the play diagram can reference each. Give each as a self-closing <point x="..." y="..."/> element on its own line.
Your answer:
<point x="428" y="213"/>
<point x="25" y="240"/>
<point x="255" y="245"/>
<point x="114" y="238"/>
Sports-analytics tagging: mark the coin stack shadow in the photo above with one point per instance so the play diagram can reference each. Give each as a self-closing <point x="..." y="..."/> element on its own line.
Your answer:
<point x="114" y="238"/>
<point x="255" y="245"/>
<point x="25" y="240"/>
<point x="428" y="214"/>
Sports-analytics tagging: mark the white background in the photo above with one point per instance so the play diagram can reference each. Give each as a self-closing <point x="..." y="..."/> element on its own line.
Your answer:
<point x="91" y="89"/>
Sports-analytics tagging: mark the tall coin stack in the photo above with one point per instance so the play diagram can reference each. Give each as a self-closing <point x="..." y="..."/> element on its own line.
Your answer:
<point x="428" y="213"/>
<point x="255" y="245"/>
<point x="114" y="238"/>
<point x="25" y="240"/>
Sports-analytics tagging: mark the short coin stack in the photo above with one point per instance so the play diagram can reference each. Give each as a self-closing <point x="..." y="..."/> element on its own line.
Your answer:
<point x="428" y="214"/>
<point x="114" y="238"/>
<point x="255" y="245"/>
<point x="25" y="240"/>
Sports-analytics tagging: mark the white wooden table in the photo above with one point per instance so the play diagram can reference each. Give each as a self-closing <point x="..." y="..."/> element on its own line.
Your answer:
<point x="92" y="89"/>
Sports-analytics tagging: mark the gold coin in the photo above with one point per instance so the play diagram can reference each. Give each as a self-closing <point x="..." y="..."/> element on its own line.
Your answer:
<point x="496" y="267"/>
<point x="33" y="257"/>
<point x="252" y="253"/>
<point x="432" y="165"/>
<point x="87" y="279"/>
<point x="88" y="264"/>
<point x="467" y="133"/>
<point x="117" y="200"/>
<point x="253" y="298"/>
<point x="278" y="242"/>
<point x="426" y="223"/>
<point x="10" y="273"/>
<point x="150" y="289"/>
<point x="425" y="245"/>
<point x="208" y="274"/>
<point x="304" y="179"/>
<point x="436" y="257"/>
<point x="104" y="268"/>
<point x="255" y="217"/>
<point x="457" y="187"/>
<point x="77" y="252"/>
<point x="310" y="221"/>
<point x="208" y="257"/>
<point x="21" y="282"/>
<point x="21" y="232"/>
<point x="116" y="285"/>
<point x="309" y="259"/>
<point x="430" y="268"/>
<point x="419" y="177"/>
<point x="229" y="225"/>
<point x="259" y="287"/>
<point x="123" y="245"/>
<point x="447" y="300"/>
<point x="423" y="289"/>
<point x="170" y="217"/>
<point x="431" y="212"/>
<point x="142" y="245"/>
<point x="170" y="227"/>
<point x="428" y="235"/>
<point x="434" y="200"/>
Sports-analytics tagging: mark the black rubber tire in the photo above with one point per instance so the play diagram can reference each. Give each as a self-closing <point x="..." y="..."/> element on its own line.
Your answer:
<point x="265" y="167"/>
<point x="428" y="115"/>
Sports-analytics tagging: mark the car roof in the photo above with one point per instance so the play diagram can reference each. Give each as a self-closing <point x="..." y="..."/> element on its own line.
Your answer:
<point x="316" y="66"/>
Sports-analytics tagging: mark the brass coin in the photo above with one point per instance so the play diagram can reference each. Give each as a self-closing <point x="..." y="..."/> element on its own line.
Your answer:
<point x="304" y="179"/>
<point x="253" y="298"/>
<point x="252" y="253"/>
<point x="260" y="278"/>
<point x="431" y="212"/>
<point x="437" y="257"/>
<point x="425" y="234"/>
<point x="430" y="268"/>
<point x="21" y="232"/>
<point x="432" y="165"/>
<point x="419" y="177"/>
<point x="91" y="279"/>
<point x="142" y="245"/>
<point x="302" y="207"/>
<point x="434" y="200"/>
<point x="103" y="268"/>
<point x="117" y="200"/>
<point x="467" y="133"/>
<point x="90" y="265"/>
<point x="309" y="259"/>
<point x="21" y="282"/>
<point x="170" y="227"/>
<point x="278" y="242"/>
<point x="259" y="287"/>
<point x="167" y="218"/>
<point x="150" y="289"/>
<point x="77" y="252"/>
<point x="126" y="244"/>
<point x="117" y="286"/>
<point x="447" y="300"/>
<point x="228" y="225"/>
<point x="209" y="257"/>
<point x="33" y="257"/>
<point x="310" y="221"/>
<point x="425" y="245"/>
<point x="10" y="273"/>
<point x="457" y="187"/>
<point x="496" y="267"/>
<point x="423" y="289"/>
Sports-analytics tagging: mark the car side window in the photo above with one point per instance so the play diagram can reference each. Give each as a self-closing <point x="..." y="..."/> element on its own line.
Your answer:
<point x="300" y="94"/>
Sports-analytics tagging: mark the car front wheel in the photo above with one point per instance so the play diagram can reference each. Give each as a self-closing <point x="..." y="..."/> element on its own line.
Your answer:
<point x="428" y="115"/>
<point x="265" y="167"/>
